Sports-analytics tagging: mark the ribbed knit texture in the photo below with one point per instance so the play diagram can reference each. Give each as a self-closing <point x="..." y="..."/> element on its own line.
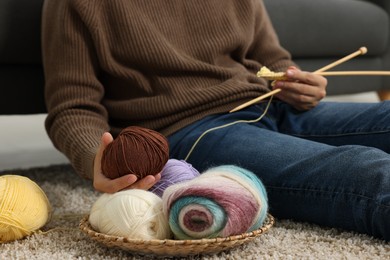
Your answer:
<point x="157" y="64"/>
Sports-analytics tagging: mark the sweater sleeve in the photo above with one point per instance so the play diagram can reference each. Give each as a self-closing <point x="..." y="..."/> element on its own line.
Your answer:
<point x="76" y="119"/>
<point x="266" y="47"/>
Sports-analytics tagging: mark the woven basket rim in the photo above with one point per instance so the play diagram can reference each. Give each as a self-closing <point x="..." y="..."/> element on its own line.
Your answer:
<point x="172" y="247"/>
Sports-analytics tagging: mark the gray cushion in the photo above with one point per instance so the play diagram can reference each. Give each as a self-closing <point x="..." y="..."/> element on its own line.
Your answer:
<point x="319" y="28"/>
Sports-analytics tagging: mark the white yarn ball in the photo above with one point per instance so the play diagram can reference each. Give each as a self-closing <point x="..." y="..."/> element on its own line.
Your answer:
<point x="134" y="214"/>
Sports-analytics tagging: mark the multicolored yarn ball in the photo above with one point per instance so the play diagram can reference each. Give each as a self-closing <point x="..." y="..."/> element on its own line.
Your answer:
<point x="24" y="207"/>
<point x="136" y="150"/>
<point x="134" y="214"/>
<point x="223" y="201"/>
<point x="174" y="171"/>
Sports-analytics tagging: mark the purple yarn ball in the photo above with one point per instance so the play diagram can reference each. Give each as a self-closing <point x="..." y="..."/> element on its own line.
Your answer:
<point x="174" y="171"/>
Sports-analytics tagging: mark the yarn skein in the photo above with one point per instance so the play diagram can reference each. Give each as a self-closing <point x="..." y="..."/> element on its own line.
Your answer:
<point x="135" y="150"/>
<point x="174" y="171"/>
<point x="133" y="214"/>
<point x="223" y="201"/>
<point x="24" y="207"/>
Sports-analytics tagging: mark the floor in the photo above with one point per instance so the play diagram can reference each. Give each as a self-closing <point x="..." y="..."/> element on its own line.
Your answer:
<point x="24" y="142"/>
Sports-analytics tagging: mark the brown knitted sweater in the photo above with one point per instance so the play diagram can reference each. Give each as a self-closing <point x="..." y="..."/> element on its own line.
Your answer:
<point x="152" y="63"/>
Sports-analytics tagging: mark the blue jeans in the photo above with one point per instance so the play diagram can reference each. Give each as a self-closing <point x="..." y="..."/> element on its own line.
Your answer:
<point x="329" y="166"/>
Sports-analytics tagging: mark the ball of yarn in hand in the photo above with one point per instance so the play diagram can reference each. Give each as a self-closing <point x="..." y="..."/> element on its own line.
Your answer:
<point x="174" y="171"/>
<point x="223" y="201"/>
<point x="135" y="150"/>
<point x="134" y="214"/>
<point x="24" y="207"/>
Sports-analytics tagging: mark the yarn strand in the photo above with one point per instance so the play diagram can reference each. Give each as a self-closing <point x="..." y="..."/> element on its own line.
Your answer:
<point x="227" y="125"/>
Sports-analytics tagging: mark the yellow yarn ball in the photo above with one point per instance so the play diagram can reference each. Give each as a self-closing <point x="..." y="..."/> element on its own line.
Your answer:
<point x="134" y="214"/>
<point x="24" y="207"/>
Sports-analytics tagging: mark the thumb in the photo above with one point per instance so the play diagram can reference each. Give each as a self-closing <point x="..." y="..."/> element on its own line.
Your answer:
<point x="105" y="141"/>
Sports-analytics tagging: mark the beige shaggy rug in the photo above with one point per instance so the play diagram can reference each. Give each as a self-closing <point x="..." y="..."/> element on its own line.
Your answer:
<point x="71" y="198"/>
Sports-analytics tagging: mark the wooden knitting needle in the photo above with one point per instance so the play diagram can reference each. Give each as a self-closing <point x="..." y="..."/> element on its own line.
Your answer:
<point x="282" y="75"/>
<point x="355" y="73"/>
<point x="361" y="51"/>
<point x="253" y="101"/>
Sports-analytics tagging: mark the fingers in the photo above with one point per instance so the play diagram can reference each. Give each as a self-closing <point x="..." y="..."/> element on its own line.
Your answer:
<point x="147" y="182"/>
<point x="307" y="78"/>
<point x="298" y="101"/>
<point x="129" y="181"/>
<point x="106" y="185"/>
<point x="303" y="90"/>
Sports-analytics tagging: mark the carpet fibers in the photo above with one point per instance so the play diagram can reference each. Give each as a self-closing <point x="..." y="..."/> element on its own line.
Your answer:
<point x="71" y="198"/>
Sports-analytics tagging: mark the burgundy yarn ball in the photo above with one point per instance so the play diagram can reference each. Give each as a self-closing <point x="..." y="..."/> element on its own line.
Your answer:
<point x="135" y="150"/>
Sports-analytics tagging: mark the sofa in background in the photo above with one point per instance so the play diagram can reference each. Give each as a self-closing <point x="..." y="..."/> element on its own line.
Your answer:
<point x="315" y="32"/>
<point x="320" y="32"/>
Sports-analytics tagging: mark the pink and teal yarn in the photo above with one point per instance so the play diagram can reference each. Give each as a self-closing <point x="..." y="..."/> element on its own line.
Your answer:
<point x="223" y="201"/>
<point x="174" y="171"/>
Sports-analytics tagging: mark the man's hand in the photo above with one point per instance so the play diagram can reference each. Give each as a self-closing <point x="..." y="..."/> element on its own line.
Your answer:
<point x="302" y="90"/>
<point x="103" y="184"/>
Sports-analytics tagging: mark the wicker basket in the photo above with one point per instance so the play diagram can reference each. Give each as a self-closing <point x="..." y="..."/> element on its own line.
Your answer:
<point x="170" y="247"/>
